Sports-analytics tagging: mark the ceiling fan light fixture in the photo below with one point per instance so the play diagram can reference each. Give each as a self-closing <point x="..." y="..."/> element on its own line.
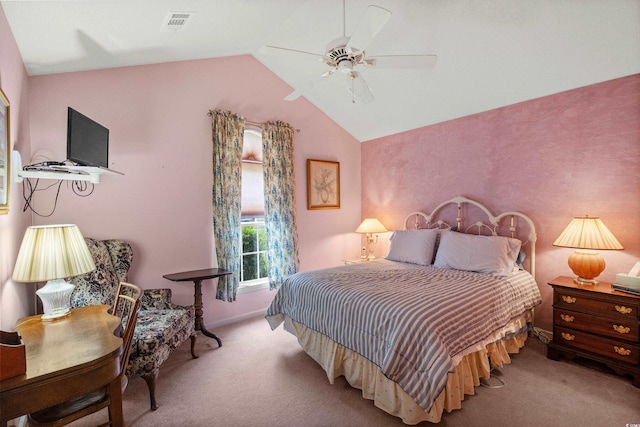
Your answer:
<point x="345" y="66"/>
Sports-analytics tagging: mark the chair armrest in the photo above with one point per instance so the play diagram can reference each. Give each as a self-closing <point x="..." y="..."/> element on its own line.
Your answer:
<point x="158" y="299"/>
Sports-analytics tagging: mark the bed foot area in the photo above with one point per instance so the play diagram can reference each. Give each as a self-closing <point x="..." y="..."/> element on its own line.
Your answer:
<point x="362" y="374"/>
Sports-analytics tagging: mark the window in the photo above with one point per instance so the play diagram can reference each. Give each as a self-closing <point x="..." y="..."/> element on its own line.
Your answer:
<point x="254" y="250"/>
<point x="254" y="236"/>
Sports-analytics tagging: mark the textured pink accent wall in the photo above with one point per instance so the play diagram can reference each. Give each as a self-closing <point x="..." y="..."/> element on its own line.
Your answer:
<point x="552" y="158"/>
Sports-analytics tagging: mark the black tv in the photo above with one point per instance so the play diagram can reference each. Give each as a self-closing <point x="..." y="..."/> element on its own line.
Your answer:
<point x="87" y="140"/>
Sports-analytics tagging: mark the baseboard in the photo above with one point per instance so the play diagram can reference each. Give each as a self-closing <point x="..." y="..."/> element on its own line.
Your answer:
<point x="236" y="319"/>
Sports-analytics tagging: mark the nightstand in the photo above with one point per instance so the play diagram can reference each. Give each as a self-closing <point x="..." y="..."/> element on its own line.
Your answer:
<point x="597" y="323"/>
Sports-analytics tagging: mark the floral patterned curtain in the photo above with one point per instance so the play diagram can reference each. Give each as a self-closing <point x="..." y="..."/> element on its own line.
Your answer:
<point x="279" y="202"/>
<point x="228" y="130"/>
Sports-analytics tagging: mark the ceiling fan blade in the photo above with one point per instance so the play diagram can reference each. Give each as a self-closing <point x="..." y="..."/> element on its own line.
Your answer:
<point x="293" y="95"/>
<point x="299" y="91"/>
<point x="374" y="19"/>
<point x="359" y="89"/>
<point x="425" y="62"/>
<point x="284" y="52"/>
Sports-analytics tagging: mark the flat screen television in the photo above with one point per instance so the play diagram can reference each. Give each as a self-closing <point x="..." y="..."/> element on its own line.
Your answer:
<point x="87" y="140"/>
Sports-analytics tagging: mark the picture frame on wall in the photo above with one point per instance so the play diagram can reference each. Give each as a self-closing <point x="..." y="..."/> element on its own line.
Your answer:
<point x="5" y="154"/>
<point x="323" y="184"/>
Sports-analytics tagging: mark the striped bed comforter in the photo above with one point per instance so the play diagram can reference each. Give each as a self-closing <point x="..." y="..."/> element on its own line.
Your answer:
<point x="407" y="319"/>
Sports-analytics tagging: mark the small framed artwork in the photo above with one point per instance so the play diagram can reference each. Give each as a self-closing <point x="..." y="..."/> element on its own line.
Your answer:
<point x="323" y="184"/>
<point x="5" y="154"/>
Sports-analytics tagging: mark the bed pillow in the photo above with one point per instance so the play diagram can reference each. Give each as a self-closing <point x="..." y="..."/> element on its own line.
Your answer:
<point x="413" y="246"/>
<point x="484" y="254"/>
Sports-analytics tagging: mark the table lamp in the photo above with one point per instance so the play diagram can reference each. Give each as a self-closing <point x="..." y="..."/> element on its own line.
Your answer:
<point x="587" y="234"/>
<point x="52" y="253"/>
<point x="370" y="226"/>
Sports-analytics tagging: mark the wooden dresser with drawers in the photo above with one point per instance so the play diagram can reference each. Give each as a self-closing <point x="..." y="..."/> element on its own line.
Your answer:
<point x="598" y="323"/>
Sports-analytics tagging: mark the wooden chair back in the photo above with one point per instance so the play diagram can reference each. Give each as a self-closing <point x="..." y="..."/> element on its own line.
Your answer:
<point x="126" y="307"/>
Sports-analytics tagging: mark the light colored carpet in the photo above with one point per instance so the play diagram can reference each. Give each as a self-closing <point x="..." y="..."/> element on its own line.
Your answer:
<point x="262" y="378"/>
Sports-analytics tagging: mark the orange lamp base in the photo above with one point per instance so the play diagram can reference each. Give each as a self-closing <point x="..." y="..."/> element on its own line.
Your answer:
<point x="587" y="265"/>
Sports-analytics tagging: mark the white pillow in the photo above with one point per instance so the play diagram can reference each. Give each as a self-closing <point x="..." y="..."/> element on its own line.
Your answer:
<point x="413" y="246"/>
<point x="484" y="254"/>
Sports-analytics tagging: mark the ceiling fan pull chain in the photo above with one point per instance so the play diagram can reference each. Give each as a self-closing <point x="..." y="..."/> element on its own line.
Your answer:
<point x="353" y="92"/>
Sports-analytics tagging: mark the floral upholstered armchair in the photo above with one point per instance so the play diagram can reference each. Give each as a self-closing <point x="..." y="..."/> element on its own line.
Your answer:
<point x="161" y="326"/>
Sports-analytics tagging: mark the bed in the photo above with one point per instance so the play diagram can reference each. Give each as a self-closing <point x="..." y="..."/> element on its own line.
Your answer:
<point x="417" y="330"/>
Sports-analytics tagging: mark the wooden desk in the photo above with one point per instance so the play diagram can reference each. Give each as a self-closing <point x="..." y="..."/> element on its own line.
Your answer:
<point x="197" y="276"/>
<point x="66" y="358"/>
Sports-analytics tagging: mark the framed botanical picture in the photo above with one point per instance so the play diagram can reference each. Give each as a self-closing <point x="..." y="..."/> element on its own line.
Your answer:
<point x="5" y="154"/>
<point x="323" y="184"/>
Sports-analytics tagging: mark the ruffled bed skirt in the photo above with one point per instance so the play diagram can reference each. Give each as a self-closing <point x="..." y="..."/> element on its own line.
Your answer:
<point x="471" y="365"/>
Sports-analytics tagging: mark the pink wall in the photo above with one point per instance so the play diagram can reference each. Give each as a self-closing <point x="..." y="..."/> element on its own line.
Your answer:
<point x="16" y="299"/>
<point x="160" y="138"/>
<point x="573" y="153"/>
<point x="568" y="154"/>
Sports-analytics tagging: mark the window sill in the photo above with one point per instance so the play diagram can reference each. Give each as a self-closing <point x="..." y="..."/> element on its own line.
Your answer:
<point x="252" y="286"/>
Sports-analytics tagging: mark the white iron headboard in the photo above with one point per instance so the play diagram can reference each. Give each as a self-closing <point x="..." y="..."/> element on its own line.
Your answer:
<point x="492" y="224"/>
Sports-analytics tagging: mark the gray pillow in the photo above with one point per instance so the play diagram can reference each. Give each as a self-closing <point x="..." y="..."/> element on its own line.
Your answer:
<point x="484" y="254"/>
<point x="413" y="246"/>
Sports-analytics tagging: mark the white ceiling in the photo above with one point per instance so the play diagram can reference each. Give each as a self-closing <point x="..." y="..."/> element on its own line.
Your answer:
<point x="491" y="53"/>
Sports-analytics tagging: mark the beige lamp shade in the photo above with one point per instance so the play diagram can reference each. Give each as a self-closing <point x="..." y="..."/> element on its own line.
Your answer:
<point x="371" y="225"/>
<point x="587" y="234"/>
<point x="52" y="253"/>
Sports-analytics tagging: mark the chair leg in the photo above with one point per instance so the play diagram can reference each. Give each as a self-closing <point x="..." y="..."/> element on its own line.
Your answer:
<point x="150" y="379"/>
<point x="193" y="346"/>
<point x="114" y="390"/>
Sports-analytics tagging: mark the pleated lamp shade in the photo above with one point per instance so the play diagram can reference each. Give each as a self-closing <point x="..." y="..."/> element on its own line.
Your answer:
<point x="587" y="234"/>
<point x="52" y="253"/>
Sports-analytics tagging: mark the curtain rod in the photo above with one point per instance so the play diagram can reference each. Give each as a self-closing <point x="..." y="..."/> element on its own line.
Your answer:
<point x="251" y="122"/>
<point x="260" y="124"/>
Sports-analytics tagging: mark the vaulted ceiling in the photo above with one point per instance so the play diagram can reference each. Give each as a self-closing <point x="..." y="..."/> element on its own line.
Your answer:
<point x="489" y="53"/>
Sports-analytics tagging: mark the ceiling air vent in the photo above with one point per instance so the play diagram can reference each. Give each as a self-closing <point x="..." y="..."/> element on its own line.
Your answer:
<point x="176" y="21"/>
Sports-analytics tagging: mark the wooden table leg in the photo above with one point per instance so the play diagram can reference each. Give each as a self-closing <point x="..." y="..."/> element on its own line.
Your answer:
<point x="198" y="306"/>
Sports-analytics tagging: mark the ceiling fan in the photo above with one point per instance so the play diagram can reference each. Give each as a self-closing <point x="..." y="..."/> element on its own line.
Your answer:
<point x="346" y="55"/>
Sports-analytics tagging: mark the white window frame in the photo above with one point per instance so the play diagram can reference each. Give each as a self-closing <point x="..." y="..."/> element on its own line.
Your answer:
<point x="254" y="284"/>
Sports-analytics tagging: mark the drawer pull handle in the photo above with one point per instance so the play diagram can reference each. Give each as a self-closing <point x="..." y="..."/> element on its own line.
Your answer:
<point x="621" y="329"/>
<point x="568" y="300"/>
<point x="568" y="337"/>
<point x="622" y="309"/>
<point x="622" y="351"/>
<point x="567" y="318"/>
